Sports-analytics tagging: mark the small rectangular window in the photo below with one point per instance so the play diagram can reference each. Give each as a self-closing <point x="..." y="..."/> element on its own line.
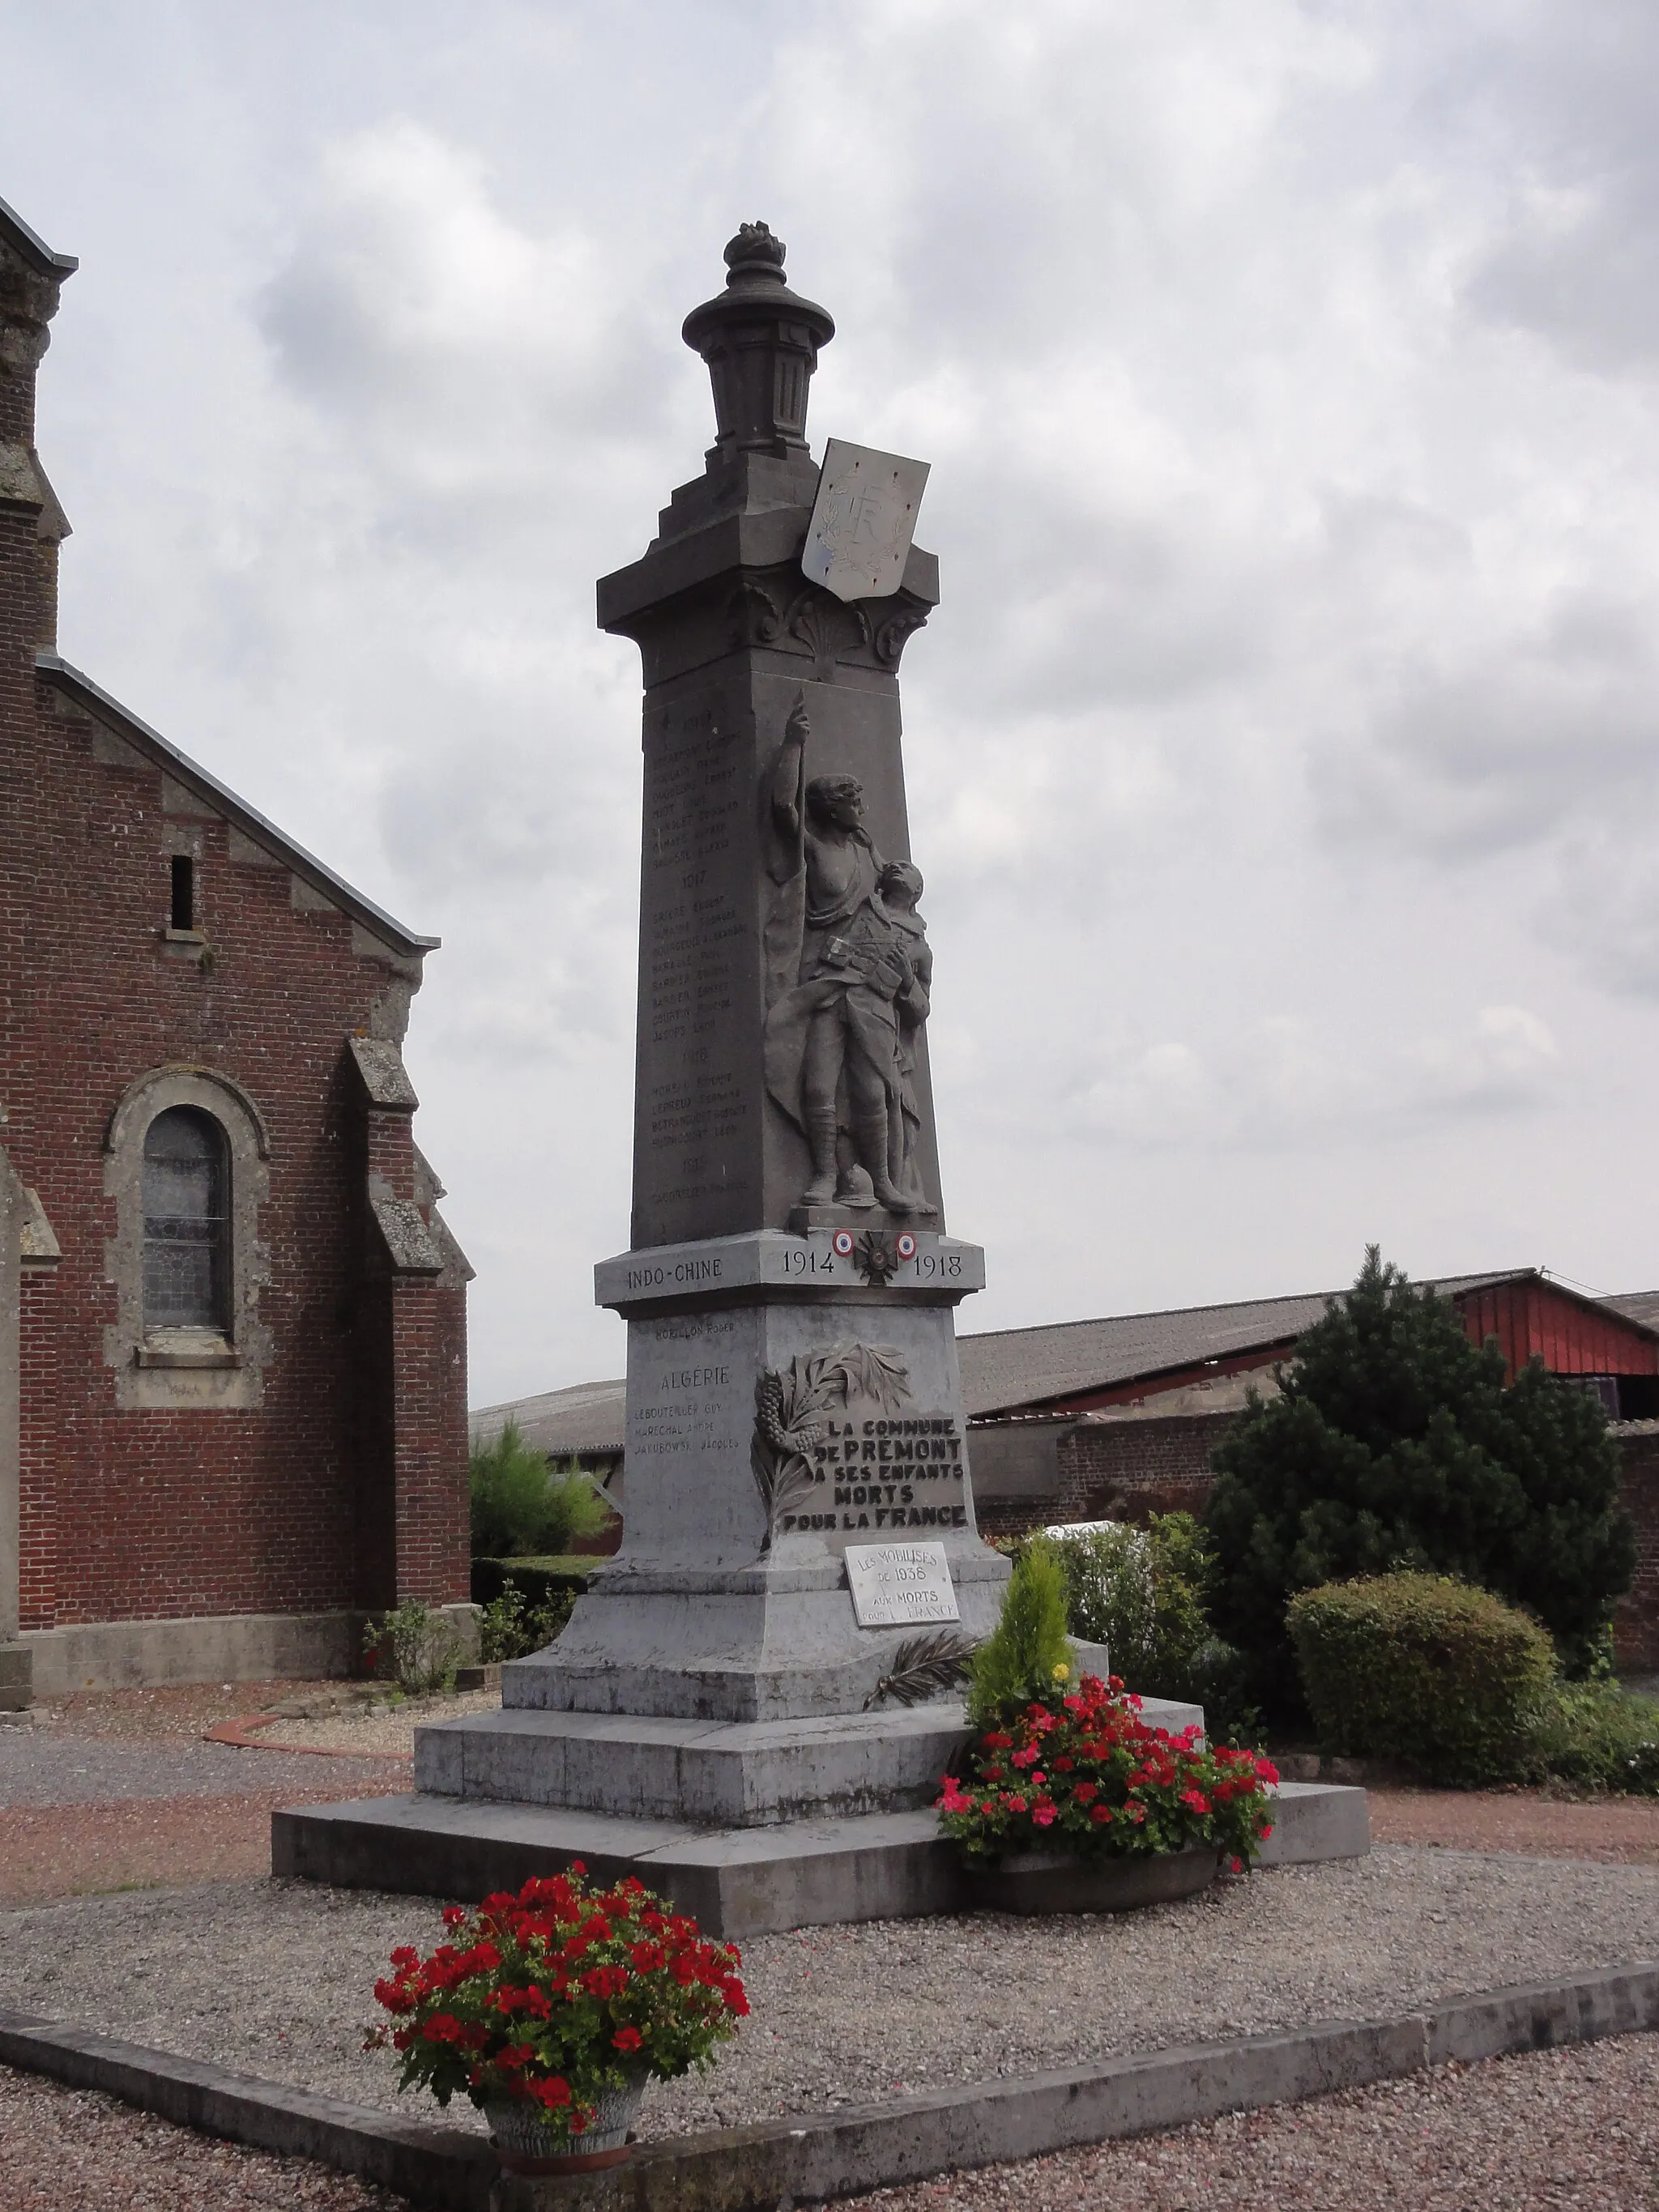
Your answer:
<point x="184" y="892"/>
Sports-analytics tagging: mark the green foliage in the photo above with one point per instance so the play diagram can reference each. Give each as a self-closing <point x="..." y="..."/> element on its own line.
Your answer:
<point x="1021" y="1656"/>
<point x="416" y="1648"/>
<point x="1598" y="1737"/>
<point x="512" y="1627"/>
<point x="539" y="1581"/>
<point x="1144" y="1594"/>
<point x="520" y="1505"/>
<point x="1109" y="1596"/>
<point x="1417" y="1667"/>
<point x="1395" y="1444"/>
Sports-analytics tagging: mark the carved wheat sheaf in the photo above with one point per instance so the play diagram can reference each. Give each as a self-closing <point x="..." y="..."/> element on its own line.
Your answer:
<point x="787" y="1406"/>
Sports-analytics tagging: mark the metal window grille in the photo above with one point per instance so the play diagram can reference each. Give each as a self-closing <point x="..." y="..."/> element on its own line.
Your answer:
<point x="186" y="1222"/>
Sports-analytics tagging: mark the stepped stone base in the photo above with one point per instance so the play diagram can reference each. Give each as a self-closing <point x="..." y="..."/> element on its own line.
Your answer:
<point x="709" y="1773"/>
<point x="738" y="1881"/>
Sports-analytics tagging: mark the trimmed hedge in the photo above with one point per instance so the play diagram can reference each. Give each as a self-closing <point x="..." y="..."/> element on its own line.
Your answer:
<point x="537" y="1584"/>
<point x="1435" y="1674"/>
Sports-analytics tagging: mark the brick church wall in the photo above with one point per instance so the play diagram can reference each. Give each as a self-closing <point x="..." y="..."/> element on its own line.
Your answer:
<point x="309" y="1487"/>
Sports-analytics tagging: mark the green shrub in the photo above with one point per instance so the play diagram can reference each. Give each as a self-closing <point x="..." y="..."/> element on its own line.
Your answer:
<point x="511" y="1627"/>
<point x="1018" y="1659"/>
<point x="521" y="1505"/>
<point x="1143" y="1592"/>
<point x="1109" y="1597"/>
<point x="416" y="1648"/>
<point x="1598" y="1737"/>
<point x="1440" y="1676"/>
<point x="1394" y="1443"/>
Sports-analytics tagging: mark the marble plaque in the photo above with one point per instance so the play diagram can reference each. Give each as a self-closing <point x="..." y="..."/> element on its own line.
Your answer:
<point x="895" y="1584"/>
<point x="863" y="521"/>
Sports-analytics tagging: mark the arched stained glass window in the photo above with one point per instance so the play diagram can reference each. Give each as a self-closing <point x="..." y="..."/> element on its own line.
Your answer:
<point x="187" y="1221"/>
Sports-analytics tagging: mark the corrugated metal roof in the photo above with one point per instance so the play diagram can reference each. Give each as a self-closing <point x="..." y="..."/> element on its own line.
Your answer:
<point x="1004" y="1369"/>
<point x="586" y="1418"/>
<point x="1012" y="1367"/>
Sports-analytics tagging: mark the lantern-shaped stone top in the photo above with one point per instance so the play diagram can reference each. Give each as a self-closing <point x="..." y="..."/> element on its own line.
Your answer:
<point x="761" y="342"/>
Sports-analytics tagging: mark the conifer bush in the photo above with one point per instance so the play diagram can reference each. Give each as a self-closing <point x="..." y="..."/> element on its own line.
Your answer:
<point x="1027" y="1652"/>
<point x="521" y="1507"/>
<point x="1394" y="1444"/>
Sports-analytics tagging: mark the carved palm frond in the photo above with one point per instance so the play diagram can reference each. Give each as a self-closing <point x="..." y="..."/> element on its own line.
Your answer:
<point x="923" y="1666"/>
<point x="849" y="1370"/>
<point x="786" y="1430"/>
<point x="875" y="1371"/>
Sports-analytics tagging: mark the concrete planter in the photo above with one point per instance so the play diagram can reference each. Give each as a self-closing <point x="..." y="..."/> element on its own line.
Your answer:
<point x="1055" y="1881"/>
<point x="519" y="2139"/>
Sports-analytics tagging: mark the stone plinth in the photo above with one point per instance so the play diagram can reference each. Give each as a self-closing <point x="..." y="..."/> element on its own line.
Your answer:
<point x="738" y="1881"/>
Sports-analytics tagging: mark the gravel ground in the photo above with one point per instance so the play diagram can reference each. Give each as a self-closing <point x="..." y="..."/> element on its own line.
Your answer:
<point x="71" y="2150"/>
<point x="276" y="1978"/>
<point x="1575" y="2128"/>
<point x="43" y="1766"/>
<point x="388" y="1729"/>
<point x="1615" y="1830"/>
<point x="79" y="1850"/>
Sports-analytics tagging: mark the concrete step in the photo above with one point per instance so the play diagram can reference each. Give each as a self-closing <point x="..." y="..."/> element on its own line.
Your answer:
<point x="738" y="1881"/>
<point x="714" y="1773"/>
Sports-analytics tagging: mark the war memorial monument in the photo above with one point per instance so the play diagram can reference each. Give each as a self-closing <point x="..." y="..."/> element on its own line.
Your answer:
<point x="719" y="1715"/>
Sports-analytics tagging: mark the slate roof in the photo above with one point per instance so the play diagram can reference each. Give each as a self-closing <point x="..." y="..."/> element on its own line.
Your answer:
<point x="1637" y="1305"/>
<point x="33" y="248"/>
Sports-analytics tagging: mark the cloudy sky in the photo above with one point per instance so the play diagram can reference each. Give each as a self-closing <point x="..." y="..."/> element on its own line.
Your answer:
<point x="1284" y="759"/>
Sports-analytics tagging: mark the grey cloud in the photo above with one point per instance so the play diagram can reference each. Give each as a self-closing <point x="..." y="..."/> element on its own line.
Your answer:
<point x="1509" y="744"/>
<point x="1585" y="277"/>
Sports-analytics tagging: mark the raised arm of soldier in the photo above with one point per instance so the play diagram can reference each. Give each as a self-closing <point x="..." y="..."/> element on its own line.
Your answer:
<point x="788" y="781"/>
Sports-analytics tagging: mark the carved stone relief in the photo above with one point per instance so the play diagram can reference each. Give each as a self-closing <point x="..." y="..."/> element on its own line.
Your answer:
<point x="850" y="976"/>
<point x="788" y="1407"/>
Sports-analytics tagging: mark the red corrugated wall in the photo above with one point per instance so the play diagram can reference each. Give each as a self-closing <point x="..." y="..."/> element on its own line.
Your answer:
<point x="1570" y="1337"/>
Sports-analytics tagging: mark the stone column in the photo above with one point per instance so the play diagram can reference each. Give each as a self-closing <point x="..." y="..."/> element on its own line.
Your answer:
<point x="792" y="1373"/>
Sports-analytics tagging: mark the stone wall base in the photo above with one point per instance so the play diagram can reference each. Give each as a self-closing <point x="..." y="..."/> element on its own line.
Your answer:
<point x="231" y="1647"/>
<point x="17" y="1678"/>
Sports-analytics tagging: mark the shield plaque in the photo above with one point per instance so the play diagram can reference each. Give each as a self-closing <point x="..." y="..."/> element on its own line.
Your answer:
<point x="863" y="520"/>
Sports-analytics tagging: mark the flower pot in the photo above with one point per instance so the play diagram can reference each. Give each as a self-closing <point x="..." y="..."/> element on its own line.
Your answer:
<point x="520" y="2141"/>
<point x="1055" y="1881"/>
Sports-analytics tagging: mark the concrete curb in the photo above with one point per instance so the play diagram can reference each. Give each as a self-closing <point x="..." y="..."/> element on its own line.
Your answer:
<point x="431" y="2165"/>
<point x="820" y="2157"/>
